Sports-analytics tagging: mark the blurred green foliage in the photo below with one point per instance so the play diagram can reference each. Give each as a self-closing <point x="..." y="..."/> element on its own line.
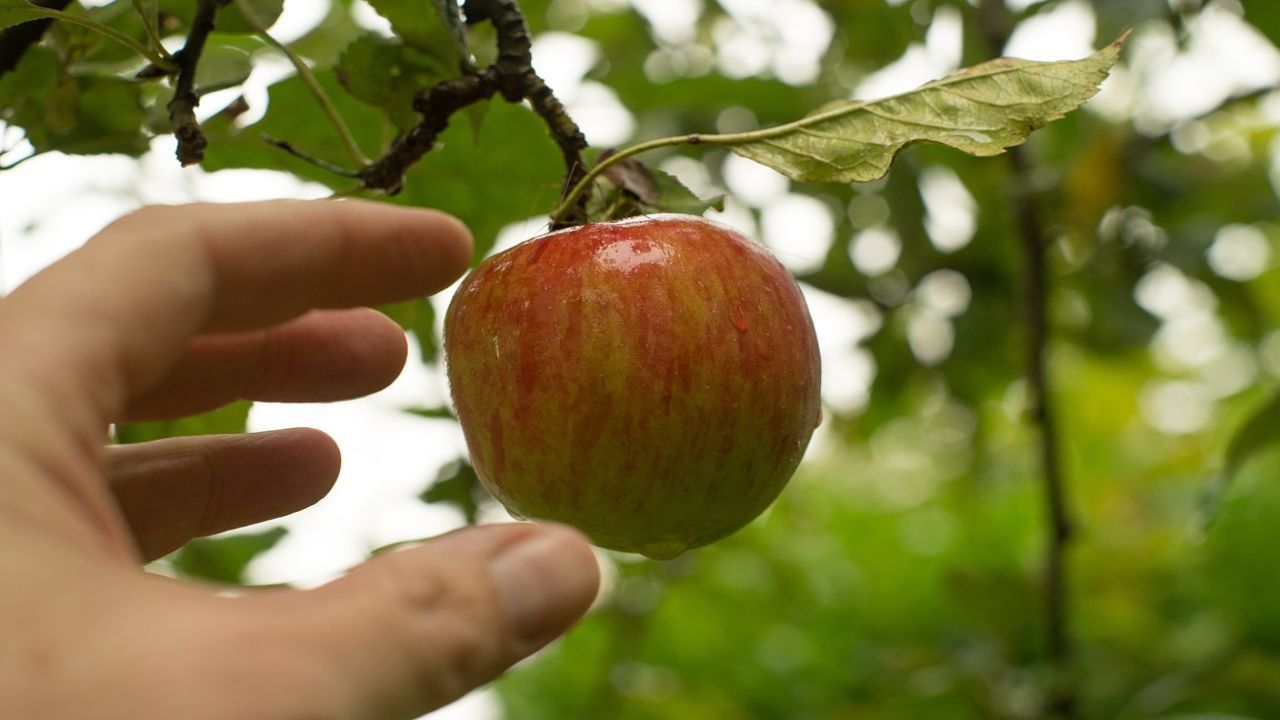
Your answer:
<point x="222" y="559"/>
<point x="901" y="574"/>
<point x="226" y="420"/>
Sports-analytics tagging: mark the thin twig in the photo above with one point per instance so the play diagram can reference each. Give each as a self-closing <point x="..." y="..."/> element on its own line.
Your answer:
<point x="313" y="85"/>
<point x="182" y="108"/>
<point x="322" y="164"/>
<point x="149" y="17"/>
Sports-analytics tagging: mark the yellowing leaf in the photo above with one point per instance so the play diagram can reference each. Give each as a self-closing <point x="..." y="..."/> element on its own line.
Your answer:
<point x="981" y="110"/>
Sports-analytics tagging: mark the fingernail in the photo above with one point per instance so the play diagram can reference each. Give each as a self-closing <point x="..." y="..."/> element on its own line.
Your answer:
<point x="545" y="583"/>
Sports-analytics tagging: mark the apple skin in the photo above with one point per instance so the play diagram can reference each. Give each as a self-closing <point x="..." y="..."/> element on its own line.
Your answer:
<point x="652" y="381"/>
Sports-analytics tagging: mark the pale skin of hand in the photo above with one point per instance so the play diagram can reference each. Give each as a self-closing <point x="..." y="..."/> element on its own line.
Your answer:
<point x="176" y="310"/>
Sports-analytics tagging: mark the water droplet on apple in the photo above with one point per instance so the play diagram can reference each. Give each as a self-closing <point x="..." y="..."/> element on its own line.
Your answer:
<point x="740" y="321"/>
<point x="664" y="550"/>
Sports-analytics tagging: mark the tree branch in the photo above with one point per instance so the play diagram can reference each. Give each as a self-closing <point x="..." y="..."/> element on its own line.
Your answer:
<point x="519" y="81"/>
<point x="436" y="105"/>
<point x="182" y="108"/>
<point x="1035" y="304"/>
<point x="512" y="76"/>
<point x="995" y="24"/>
<point x="15" y="40"/>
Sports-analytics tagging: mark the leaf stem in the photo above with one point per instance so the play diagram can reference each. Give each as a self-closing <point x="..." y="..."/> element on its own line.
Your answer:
<point x="322" y="164"/>
<point x="570" y="198"/>
<point x="309" y="78"/>
<point x="578" y="189"/>
<point x="148" y="16"/>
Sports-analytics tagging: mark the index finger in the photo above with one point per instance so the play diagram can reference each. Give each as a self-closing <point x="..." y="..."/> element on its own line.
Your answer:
<point x="115" y="314"/>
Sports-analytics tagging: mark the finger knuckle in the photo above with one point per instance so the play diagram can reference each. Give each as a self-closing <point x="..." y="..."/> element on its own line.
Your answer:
<point x="407" y="590"/>
<point x="448" y="624"/>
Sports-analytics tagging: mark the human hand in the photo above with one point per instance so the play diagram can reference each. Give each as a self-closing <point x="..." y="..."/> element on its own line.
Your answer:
<point x="177" y="310"/>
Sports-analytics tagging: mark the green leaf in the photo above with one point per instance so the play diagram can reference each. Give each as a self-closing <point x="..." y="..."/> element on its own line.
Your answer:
<point x="226" y="62"/>
<point x="981" y="110"/>
<point x="433" y="31"/>
<point x="456" y="484"/>
<point x="450" y="12"/>
<point x="14" y="12"/>
<point x="476" y="113"/>
<point x="224" y="559"/>
<point x="1239" y="549"/>
<point x="1265" y="17"/>
<point x="645" y="189"/>
<point x="636" y="189"/>
<point x="418" y="317"/>
<point x="435" y="413"/>
<point x="101" y="53"/>
<point x="24" y="89"/>
<point x="1260" y="432"/>
<point x="227" y="420"/>
<point x="387" y="74"/>
<point x="674" y="197"/>
<point x="87" y="116"/>
<point x="294" y="116"/>
<point x="325" y="41"/>
<point x="229" y="19"/>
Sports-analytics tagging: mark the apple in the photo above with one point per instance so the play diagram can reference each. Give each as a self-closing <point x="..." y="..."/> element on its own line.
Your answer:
<point x="651" y="381"/>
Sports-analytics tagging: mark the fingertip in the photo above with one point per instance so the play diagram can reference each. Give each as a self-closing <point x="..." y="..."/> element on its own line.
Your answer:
<point x="314" y="460"/>
<point x="462" y="232"/>
<point x="176" y="489"/>
<point x="545" y="581"/>
<point x="432" y="248"/>
<point x="456" y="255"/>
<point x="380" y="358"/>
<point x="453" y="241"/>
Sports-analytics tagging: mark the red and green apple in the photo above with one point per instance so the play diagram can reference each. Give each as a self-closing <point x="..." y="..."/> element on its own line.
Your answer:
<point x="651" y="381"/>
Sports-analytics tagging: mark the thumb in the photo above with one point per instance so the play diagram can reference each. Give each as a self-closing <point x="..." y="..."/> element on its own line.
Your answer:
<point x="415" y="629"/>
